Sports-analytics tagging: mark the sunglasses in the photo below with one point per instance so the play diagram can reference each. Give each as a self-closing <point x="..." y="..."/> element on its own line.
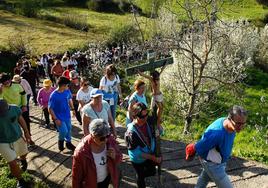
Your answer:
<point x="86" y="84"/>
<point x="102" y="138"/>
<point x="238" y="124"/>
<point x="143" y="116"/>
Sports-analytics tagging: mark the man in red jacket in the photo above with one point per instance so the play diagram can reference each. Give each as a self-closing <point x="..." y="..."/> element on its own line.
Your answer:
<point x="96" y="158"/>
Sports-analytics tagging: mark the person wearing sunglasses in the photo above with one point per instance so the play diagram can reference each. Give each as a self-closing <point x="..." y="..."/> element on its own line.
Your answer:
<point x="141" y="144"/>
<point x="96" y="158"/>
<point x="83" y="94"/>
<point x="215" y="147"/>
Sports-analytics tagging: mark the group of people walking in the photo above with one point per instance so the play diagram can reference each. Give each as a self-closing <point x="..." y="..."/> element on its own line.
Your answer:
<point x="97" y="156"/>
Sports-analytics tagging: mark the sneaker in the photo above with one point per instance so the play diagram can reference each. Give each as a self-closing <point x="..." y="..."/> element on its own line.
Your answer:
<point x="23" y="184"/>
<point x="61" y="145"/>
<point x="70" y="146"/>
<point x="47" y="126"/>
<point x="24" y="164"/>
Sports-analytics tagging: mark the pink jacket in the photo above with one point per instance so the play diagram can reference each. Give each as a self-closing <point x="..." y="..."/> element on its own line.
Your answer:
<point x="43" y="97"/>
<point x="84" y="169"/>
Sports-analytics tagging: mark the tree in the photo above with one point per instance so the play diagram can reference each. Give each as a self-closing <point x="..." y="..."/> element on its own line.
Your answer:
<point x="209" y="54"/>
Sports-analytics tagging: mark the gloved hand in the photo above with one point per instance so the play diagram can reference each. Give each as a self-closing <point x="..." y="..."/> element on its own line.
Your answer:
<point x="190" y="152"/>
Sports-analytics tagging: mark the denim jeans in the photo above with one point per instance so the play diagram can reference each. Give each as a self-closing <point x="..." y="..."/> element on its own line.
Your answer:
<point x="113" y="107"/>
<point x="65" y="130"/>
<point x="213" y="172"/>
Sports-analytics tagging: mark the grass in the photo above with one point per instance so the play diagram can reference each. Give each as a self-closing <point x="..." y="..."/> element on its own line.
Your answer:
<point x="251" y="143"/>
<point x="6" y="181"/>
<point x="48" y="36"/>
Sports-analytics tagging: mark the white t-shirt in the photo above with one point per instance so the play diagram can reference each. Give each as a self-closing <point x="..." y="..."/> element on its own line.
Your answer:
<point x="64" y="64"/>
<point x="100" y="160"/>
<point x="103" y="114"/>
<point x="110" y="86"/>
<point x="83" y="96"/>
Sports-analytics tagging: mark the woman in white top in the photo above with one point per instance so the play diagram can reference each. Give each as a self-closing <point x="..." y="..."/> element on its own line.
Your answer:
<point x="83" y="94"/>
<point x="110" y="83"/>
<point x="96" y="109"/>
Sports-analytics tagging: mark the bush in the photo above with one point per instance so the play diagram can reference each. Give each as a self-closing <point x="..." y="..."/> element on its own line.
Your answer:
<point x="123" y="34"/>
<point x="19" y="45"/>
<point x="29" y="8"/>
<point x="76" y="21"/>
<point x="109" y="6"/>
<point x="263" y="2"/>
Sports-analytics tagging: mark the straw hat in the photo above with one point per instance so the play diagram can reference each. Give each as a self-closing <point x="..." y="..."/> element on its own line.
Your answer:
<point x="16" y="78"/>
<point x="47" y="82"/>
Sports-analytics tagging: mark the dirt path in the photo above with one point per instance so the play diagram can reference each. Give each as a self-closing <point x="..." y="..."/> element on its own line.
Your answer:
<point x="54" y="167"/>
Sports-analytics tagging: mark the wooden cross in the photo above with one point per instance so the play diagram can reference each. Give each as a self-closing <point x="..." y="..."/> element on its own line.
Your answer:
<point x="151" y="64"/>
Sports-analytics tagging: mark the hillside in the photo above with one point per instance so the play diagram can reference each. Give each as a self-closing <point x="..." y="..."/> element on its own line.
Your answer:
<point x="53" y="36"/>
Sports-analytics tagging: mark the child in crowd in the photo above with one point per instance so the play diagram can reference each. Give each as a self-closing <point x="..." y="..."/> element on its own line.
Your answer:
<point x="43" y="98"/>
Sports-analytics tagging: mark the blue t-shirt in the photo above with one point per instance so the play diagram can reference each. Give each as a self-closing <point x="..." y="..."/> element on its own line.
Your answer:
<point x="137" y="98"/>
<point x="216" y="136"/>
<point x="59" y="103"/>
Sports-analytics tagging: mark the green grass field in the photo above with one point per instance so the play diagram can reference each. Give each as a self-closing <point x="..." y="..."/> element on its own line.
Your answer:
<point x="48" y="36"/>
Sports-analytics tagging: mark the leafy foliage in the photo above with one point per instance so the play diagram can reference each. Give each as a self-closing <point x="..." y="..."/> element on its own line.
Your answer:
<point x="124" y="33"/>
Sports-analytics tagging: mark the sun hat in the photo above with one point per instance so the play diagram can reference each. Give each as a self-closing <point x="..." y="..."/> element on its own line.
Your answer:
<point x="47" y="82"/>
<point x="16" y="78"/>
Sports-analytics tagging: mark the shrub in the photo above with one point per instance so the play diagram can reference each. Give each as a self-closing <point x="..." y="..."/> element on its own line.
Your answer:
<point x="123" y="34"/>
<point x="76" y="21"/>
<point x="109" y="6"/>
<point x="29" y="8"/>
<point x="19" y="45"/>
<point x="263" y="2"/>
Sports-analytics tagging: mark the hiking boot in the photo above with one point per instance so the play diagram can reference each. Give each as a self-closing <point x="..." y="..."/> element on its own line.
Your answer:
<point x="61" y="145"/>
<point x="23" y="184"/>
<point x="24" y="164"/>
<point x="70" y="146"/>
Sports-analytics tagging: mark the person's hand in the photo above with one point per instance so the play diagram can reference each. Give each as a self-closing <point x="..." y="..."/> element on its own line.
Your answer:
<point x="114" y="134"/>
<point x="190" y="152"/>
<point x="57" y="122"/>
<point x="28" y="138"/>
<point x="157" y="160"/>
<point x="24" y="109"/>
<point x="73" y="112"/>
<point x="111" y="153"/>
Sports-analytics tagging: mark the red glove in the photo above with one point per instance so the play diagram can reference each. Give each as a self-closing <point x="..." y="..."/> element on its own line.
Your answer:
<point x="190" y="152"/>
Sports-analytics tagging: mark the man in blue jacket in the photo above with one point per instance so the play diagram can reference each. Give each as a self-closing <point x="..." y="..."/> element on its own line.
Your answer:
<point x="215" y="147"/>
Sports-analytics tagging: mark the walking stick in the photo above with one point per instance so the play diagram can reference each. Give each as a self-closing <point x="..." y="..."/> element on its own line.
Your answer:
<point x="158" y="144"/>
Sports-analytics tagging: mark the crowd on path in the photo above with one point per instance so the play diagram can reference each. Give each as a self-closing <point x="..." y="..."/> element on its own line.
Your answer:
<point x="65" y="92"/>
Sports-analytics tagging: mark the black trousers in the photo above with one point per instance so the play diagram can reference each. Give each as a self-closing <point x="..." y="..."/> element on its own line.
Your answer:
<point x="144" y="170"/>
<point x="33" y="87"/>
<point x="77" y="113"/>
<point x="105" y="183"/>
<point x="46" y="114"/>
<point x="26" y="118"/>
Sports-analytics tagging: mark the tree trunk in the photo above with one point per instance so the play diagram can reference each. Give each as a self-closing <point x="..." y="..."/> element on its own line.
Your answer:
<point x="188" y="117"/>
